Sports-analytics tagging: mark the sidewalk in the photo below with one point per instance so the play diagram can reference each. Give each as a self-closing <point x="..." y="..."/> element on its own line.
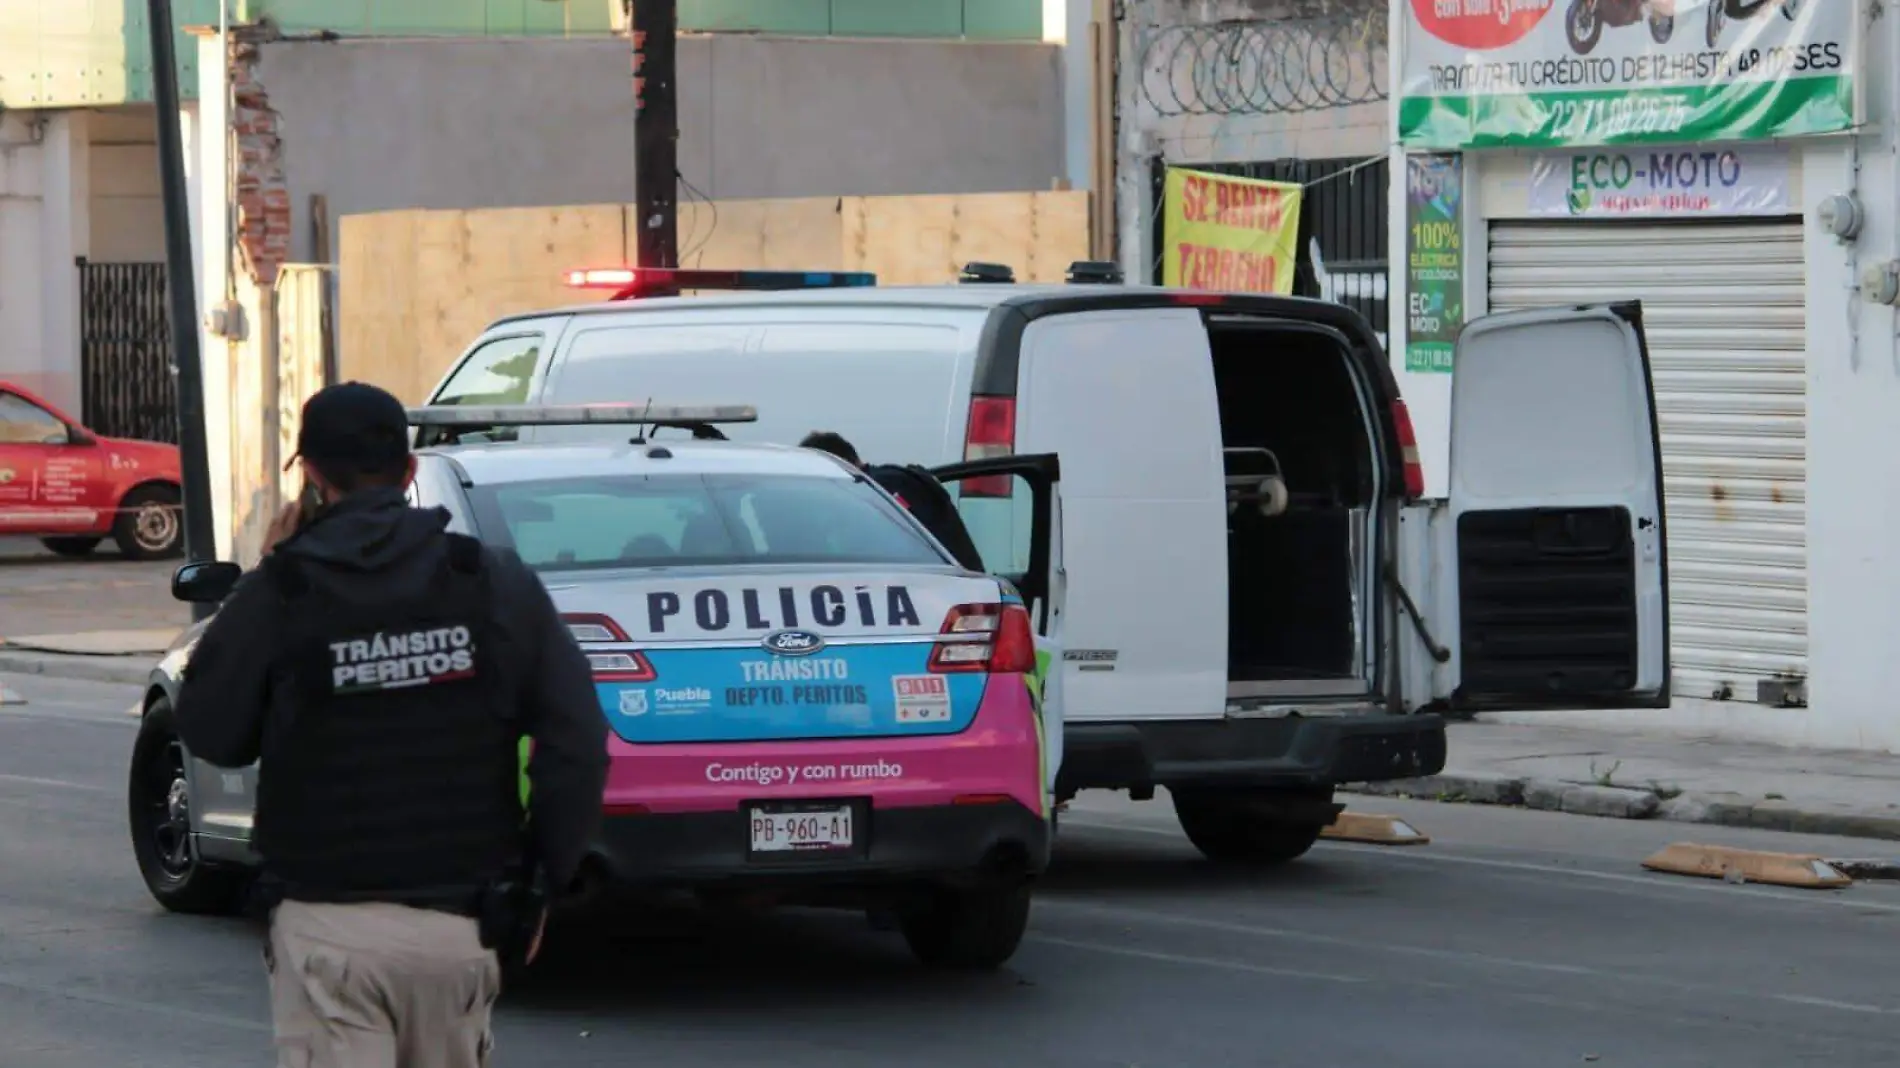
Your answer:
<point x="1671" y="777"/>
<point x="125" y="656"/>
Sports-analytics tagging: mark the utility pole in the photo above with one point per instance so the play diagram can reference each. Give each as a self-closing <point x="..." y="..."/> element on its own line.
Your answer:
<point x="201" y="542"/>
<point x="655" y="132"/>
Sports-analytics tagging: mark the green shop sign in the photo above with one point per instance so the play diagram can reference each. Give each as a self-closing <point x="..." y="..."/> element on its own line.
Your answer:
<point x="1555" y="73"/>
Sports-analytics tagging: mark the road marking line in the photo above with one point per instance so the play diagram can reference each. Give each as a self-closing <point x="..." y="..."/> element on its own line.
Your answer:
<point x="108" y="1001"/>
<point x="1615" y="976"/>
<point x="1204" y="962"/>
<point x="1830" y="1003"/>
<point x="1648" y="882"/>
<point x="29" y="780"/>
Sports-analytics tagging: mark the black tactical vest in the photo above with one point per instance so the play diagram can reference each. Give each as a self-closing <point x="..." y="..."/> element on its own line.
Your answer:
<point x="395" y="775"/>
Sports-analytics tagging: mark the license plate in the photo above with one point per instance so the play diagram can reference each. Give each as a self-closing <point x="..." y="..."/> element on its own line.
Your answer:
<point x="820" y="829"/>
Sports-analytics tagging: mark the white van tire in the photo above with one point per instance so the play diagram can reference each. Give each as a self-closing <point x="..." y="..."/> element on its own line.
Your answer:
<point x="968" y="930"/>
<point x="1226" y="832"/>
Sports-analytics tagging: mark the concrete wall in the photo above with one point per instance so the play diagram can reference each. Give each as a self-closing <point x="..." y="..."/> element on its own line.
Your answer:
<point x="383" y="124"/>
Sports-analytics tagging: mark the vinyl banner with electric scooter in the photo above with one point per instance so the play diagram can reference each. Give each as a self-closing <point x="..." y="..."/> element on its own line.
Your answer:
<point x="1561" y="73"/>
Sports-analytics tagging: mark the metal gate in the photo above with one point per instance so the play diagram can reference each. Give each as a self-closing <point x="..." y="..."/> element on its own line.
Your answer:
<point x="127" y="388"/>
<point x="1343" y="256"/>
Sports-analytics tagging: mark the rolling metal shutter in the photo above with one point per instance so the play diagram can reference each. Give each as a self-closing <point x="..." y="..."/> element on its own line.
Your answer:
<point x="1725" y="308"/>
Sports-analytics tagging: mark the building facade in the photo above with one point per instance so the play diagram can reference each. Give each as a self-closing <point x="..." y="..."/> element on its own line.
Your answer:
<point x="1736" y="175"/>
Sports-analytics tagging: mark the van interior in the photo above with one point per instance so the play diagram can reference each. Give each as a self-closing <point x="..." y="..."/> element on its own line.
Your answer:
<point x="1297" y="560"/>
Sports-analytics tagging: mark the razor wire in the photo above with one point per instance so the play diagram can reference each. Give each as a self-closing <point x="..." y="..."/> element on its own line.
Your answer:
<point x="1263" y="67"/>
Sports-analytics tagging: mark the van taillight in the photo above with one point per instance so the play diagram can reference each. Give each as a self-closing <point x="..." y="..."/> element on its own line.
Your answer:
<point x="1408" y="451"/>
<point x="591" y="631"/>
<point x="997" y="639"/>
<point x="992" y="433"/>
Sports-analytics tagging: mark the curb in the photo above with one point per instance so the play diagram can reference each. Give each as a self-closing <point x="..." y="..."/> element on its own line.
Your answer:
<point x="1621" y="802"/>
<point x="133" y="671"/>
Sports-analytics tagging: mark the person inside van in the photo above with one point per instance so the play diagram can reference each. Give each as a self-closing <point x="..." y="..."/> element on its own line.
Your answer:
<point x="914" y="488"/>
<point x="833" y="443"/>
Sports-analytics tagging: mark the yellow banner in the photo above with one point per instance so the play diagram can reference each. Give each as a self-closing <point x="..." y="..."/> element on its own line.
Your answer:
<point x="1239" y="235"/>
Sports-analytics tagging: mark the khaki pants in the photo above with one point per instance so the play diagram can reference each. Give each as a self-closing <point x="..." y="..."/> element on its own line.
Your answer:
<point x="379" y="986"/>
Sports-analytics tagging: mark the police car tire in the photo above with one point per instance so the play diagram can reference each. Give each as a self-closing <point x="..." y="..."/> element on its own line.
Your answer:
<point x="968" y="930"/>
<point x="1227" y="834"/>
<point x="204" y="889"/>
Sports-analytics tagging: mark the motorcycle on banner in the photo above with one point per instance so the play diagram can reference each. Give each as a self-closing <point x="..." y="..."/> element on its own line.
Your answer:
<point x="1586" y="19"/>
<point x="1720" y="11"/>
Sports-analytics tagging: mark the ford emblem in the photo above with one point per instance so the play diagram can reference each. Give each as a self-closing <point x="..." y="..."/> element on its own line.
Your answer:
<point x="793" y="643"/>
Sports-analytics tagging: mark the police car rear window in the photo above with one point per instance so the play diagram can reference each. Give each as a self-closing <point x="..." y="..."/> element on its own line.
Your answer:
<point x="615" y="521"/>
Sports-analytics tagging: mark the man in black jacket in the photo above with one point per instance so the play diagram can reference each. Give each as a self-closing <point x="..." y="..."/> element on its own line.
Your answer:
<point x="384" y="673"/>
<point x="915" y="488"/>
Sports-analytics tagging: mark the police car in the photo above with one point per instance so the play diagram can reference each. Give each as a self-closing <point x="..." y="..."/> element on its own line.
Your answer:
<point x="810" y="701"/>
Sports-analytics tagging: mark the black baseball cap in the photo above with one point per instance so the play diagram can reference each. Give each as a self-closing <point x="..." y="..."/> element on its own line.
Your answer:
<point x="353" y="425"/>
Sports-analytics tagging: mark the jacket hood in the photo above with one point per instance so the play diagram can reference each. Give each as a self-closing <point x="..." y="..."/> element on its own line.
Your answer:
<point x="373" y="530"/>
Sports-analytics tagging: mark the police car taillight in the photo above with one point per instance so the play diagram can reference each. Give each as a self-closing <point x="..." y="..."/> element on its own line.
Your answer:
<point x="610" y="665"/>
<point x="987" y="637"/>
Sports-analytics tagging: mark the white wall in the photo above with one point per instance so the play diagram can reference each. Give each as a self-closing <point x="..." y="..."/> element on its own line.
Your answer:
<point x="43" y="182"/>
<point x="1853" y="468"/>
<point x="126" y="200"/>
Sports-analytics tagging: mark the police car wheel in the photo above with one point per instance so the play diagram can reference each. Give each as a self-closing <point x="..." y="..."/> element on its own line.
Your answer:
<point x="970" y="930"/>
<point x="158" y="800"/>
<point x="1227" y="833"/>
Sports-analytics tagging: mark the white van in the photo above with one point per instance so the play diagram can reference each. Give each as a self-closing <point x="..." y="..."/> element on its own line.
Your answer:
<point x="1212" y="503"/>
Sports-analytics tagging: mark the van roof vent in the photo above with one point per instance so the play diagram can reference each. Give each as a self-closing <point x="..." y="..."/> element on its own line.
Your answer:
<point x="1094" y="272"/>
<point x="990" y="273"/>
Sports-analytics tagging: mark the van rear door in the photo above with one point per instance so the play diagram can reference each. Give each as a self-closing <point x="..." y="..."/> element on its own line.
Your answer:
<point x="1552" y="557"/>
<point x="1126" y="397"/>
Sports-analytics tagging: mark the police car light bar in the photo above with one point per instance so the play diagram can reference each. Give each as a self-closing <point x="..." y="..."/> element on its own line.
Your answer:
<point x="632" y="282"/>
<point x="488" y="415"/>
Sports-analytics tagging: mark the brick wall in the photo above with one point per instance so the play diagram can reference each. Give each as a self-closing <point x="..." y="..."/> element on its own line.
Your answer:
<point x="262" y="193"/>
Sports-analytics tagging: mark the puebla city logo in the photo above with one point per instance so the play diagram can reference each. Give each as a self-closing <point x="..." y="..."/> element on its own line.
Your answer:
<point x="1480" y="25"/>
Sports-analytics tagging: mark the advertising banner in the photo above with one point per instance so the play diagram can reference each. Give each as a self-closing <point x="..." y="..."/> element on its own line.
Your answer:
<point x="1235" y="234"/>
<point x="1546" y="73"/>
<point x="1434" y="261"/>
<point x="1683" y="182"/>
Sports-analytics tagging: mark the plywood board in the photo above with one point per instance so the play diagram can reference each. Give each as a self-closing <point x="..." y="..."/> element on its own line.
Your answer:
<point x="415" y="288"/>
<point x="926" y="240"/>
<point x="790" y="234"/>
<point x="418" y="286"/>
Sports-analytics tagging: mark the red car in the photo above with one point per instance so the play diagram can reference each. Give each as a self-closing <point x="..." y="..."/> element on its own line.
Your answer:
<point x="72" y="489"/>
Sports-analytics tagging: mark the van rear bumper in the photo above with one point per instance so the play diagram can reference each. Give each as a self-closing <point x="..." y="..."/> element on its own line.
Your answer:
<point x="1285" y="752"/>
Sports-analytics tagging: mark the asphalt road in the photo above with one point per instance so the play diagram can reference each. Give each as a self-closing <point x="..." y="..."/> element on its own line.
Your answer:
<point x="1514" y="940"/>
<point x="41" y="593"/>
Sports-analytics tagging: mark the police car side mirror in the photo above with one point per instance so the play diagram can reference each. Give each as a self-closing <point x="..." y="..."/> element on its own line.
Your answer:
<point x="205" y="581"/>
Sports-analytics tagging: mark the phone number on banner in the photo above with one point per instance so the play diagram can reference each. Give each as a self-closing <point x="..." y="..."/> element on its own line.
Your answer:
<point x="1589" y="119"/>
